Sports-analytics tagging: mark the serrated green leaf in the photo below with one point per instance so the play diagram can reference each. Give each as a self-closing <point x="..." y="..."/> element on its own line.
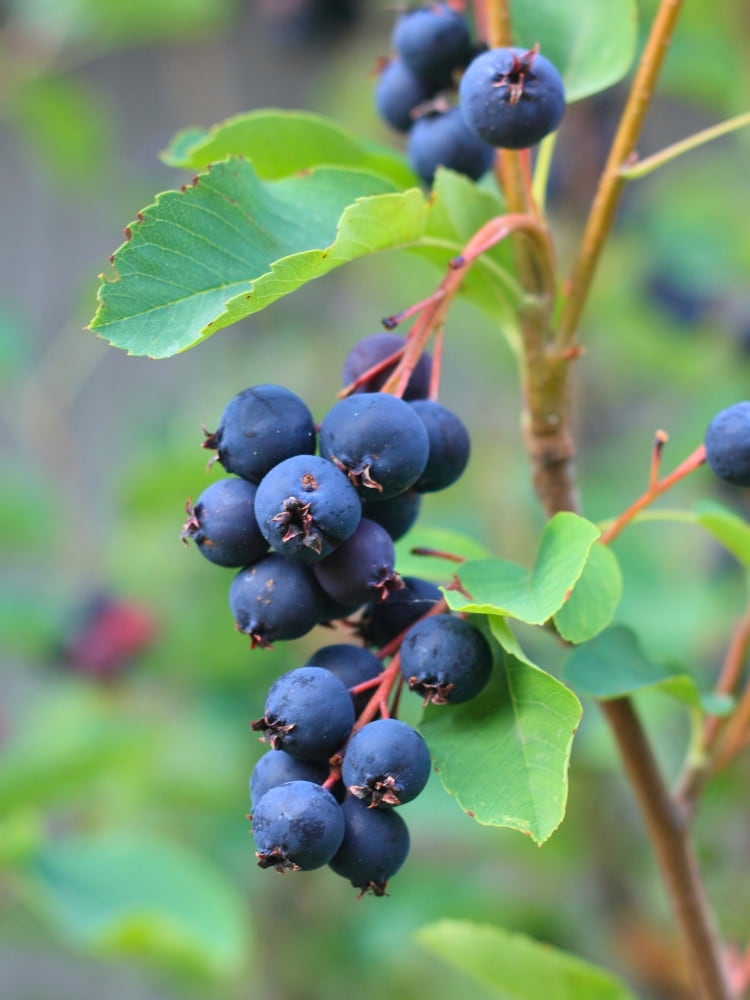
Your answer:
<point x="613" y="665"/>
<point x="432" y="567"/>
<point x="593" y="602"/>
<point x="731" y="531"/>
<point x="504" y="755"/>
<point x="230" y="244"/>
<point x="515" y="967"/>
<point x="136" y="894"/>
<point x="591" y="43"/>
<point x="498" y="587"/>
<point x="281" y="143"/>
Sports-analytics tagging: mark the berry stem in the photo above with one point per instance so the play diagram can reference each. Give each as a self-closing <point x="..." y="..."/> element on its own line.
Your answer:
<point x="692" y="462"/>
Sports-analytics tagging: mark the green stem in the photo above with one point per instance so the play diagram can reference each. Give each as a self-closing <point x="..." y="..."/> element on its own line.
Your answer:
<point x="650" y="163"/>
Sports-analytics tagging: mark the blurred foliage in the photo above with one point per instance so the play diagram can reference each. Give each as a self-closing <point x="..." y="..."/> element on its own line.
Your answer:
<point x="123" y="835"/>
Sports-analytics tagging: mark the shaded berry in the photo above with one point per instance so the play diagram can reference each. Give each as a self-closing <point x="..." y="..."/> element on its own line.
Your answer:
<point x="396" y="515"/>
<point x="275" y="598"/>
<point x="443" y="139"/>
<point x="445" y="659"/>
<point x="222" y="524"/>
<point x="277" y="766"/>
<point x="375" y="845"/>
<point x="382" y="621"/>
<point x="371" y="351"/>
<point x="352" y="665"/>
<point x="433" y="41"/>
<point x="511" y="98"/>
<point x="398" y="92"/>
<point x="386" y="763"/>
<point x="362" y="568"/>
<point x="260" y="427"/>
<point x="449" y="446"/>
<point x="297" y="826"/>
<point x="727" y="444"/>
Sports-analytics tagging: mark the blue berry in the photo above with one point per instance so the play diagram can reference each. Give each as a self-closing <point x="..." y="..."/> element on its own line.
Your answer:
<point x="445" y="659"/>
<point x="222" y="524"/>
<point x="443" y="139"/>
<point x="378" y="440"/>
<point x="433" y="40"/>
<point x="352" y="665"/>
<point x="398" y="92"/>
<point x="277" y="766"/>
<point x="511" y="98"/>
<point x="386" y="763"/>
<point x="396" y="515"/>
<point x="382" y="621"/>
<point x="362" y="568"/>
<point x="260" y="427"/>
<point x="297" y="826"/>
<point x="727" y="444"/>
<point x="375" y="845"/>
<point x="375" y="348"/>
<point x="305" y="507"/>
<point x="275" y="598"/>
<point x="308" y="712"/>
<point x="449" y="446"/>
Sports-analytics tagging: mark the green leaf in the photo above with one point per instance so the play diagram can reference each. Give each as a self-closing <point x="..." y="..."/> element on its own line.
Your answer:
<point x="431" y="567"/>
<point x="504" y="755"/>
<point x="515" y="967"/>
<point x="593" y="602"/>
<point x="591" y="43"/>
<point x="137" y="894"/>
<point x="498" y="587"/>
<point x="731" y="531"/>
<point x="230" y="244"/>
<point x="281" y="143"/>
<point x="613" y="664"/>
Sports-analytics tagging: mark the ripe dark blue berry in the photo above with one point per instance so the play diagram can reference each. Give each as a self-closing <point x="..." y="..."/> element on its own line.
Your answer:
<point x="398" y="92"/>
<point x="727" y="444"/>
<point x="352" y="665"/>
<point x="443" y="139"/>
<point x="222" y="523"/>
<point x="449" y="446"/>
<point x="396" y="515"/>
<point x="378" y="440"/>
<point x="512" y="98"/>
<point x="305" y="507"/>
<point x="260" y="427"/>
<point x="375" y="845"/>
<point x="376" y="348"/>
<point x="297" y="826"/>
<point x="275" y="598"/>
<point x="445" y="659"/>
<point x="386" y="763"/>
<point x="308" y="712"/>
<point x="433" y="40"/>
<point x="277" y="766"/>
<point x="362" y="568"/>
<point x="382" y="621"/>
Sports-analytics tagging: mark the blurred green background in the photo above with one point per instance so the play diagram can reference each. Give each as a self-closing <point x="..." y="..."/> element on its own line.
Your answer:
<point x="126" y="865"/>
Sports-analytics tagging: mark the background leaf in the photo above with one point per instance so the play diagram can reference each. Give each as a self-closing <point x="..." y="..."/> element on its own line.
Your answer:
<point x="593" y="602"/>
<point x="591" y="43"/>
<point x="499" y="587"/>
<point x="515" y="967"/>
<point x="504" y="754"/>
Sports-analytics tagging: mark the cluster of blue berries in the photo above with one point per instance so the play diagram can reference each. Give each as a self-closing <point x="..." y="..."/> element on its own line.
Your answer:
<point x="308" y="516"/>
<point x="507" y="97"/>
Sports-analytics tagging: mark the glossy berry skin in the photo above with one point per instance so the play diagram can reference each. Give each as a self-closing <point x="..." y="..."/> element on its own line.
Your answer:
<point x="386" y="763"/>
<point x="362" y="568"/>
<point x="305" y="507"/>
<point x="727" y="444"/>
<point x="260" y="427"/>
<point x="511" y="98"/>
<point x="308" y="712"/>
<point x="398" y="92"/>
<point x="432" y="40"/>
<point x="378" y="440"/>
<point x="297" y="826"/>
<point x="382" y="621"/>
<point x="443" y="139"/>
<point x="445" y="659"/>
<point x="222" y="524"/>
<point x="352" y="665"/>
<point x="449" y="446"/>
<point x="396" y="515"/>
<point x="376" y="347"/>
<point x="375" y="845"/>
<point x="275" y="598"/>
<point x="277" y="766"/>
